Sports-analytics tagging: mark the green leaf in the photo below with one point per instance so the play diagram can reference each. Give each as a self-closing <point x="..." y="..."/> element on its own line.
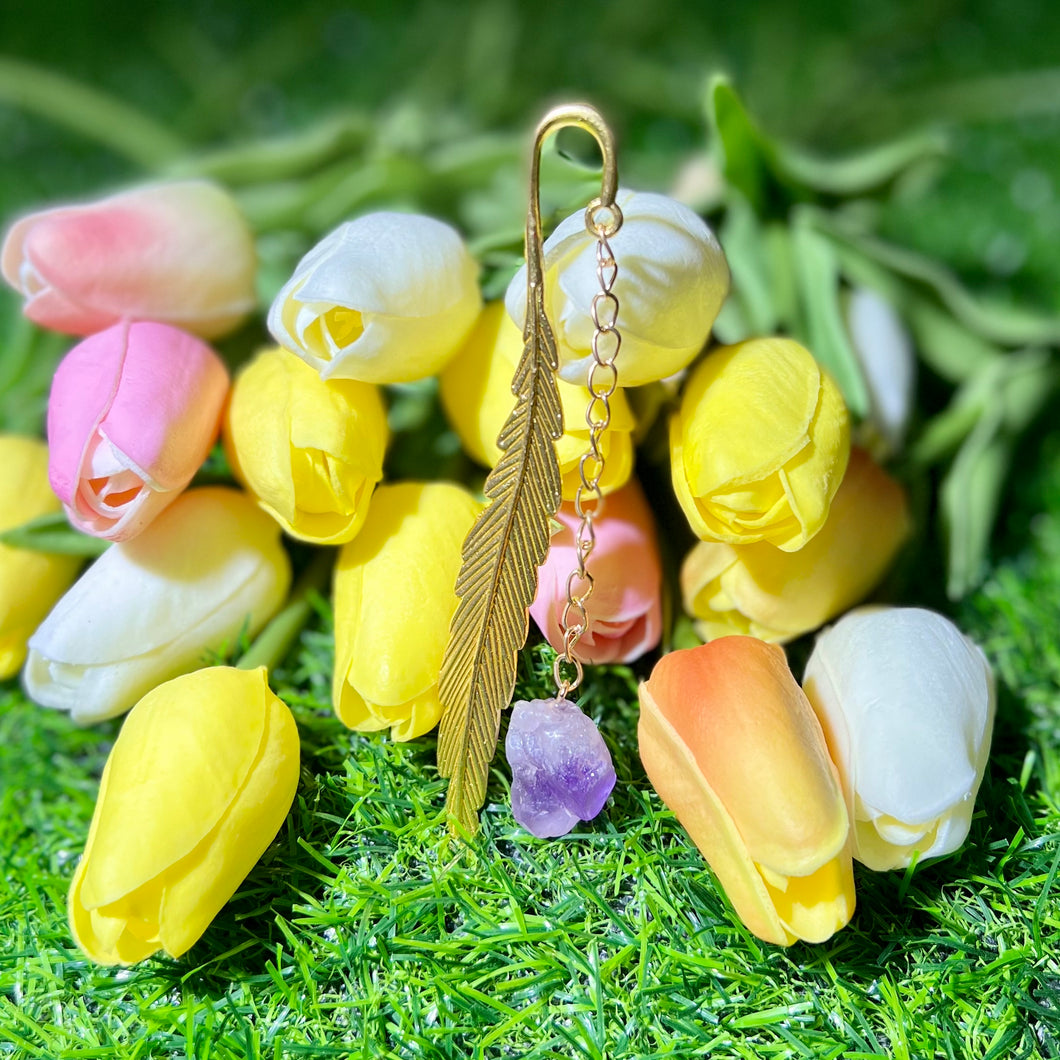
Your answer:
<point x="969" y="497"/>
<point x="52" y="533"/>
<point x="1008" y="394"/>
<point x="946" y="345"/>
<point x="745" y="153"/>
<point x="759" y="166"/>
<point x="749" y="308"/>
<point x="996" y="322"/>
<point x="817" y="276"/>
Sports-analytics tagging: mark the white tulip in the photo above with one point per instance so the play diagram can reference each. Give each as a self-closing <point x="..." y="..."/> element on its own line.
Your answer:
<point x="387" y="298"/>
<point x="210" y="566"/>
<point x="672" y="280"/>
<point x="906" y="702"/>
<point x="885" y="352"/>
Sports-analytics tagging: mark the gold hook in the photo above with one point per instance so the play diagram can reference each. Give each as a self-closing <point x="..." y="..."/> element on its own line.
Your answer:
<point x="602" y="216"/>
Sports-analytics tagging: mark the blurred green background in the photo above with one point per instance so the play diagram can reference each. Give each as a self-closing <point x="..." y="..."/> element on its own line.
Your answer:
<point x="829" y="75"/>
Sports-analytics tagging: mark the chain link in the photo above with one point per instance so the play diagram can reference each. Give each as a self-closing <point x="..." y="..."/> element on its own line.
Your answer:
<point x="602" y="222"/>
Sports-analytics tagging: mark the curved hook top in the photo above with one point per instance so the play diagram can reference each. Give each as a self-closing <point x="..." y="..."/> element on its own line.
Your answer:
<point x="609" y="219"/>
<point x="579" y="116"/>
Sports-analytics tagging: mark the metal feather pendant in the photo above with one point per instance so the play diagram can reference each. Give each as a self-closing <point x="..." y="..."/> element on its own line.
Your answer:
<point x="501" y="553"/>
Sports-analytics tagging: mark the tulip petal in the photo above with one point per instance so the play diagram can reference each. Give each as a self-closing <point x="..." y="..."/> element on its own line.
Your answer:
<point x="386" y="298"/>
<point x="907" y="705"/>
<point x="732" y="746"/>
<point x="178" y="253"/>
<point x="202" y="883"/>
<point x="681" y="784"/>
<point x="216" y="751"/>
<point x="30" y="582"/>
<point x="147" y="609"/>
<point x="775" y="595"/>
<point x="672" y="279"/>
<point x="394" y="598"/>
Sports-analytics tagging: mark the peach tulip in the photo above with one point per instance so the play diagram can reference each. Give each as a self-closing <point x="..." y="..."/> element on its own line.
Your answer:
<point x="179" y="253"/>
<point x="624" y="613"/>
<point x="132" y="414"/>
<point x="732" y="746"/>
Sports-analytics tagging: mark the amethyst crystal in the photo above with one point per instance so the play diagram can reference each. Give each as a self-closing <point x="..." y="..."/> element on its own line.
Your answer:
<point x="561" y="767"/>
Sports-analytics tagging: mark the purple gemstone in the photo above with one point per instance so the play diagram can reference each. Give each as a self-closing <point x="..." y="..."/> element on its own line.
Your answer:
<point x="561" y="767"/>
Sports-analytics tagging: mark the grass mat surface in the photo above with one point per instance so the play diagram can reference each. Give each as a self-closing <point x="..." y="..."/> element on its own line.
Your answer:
<point x="364" y="932"/>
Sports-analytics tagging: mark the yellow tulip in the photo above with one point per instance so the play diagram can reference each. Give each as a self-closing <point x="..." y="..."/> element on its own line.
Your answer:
<point x="394" y="599"/>
<point x="759" y="445"/>
<point x="310" y="451"/>
<point x="197" y="785"/>
<point x="476" y="391"/>
<point x="732" y="746"/>
<point x="777" y="596"/>
<point x="30" y="582"/>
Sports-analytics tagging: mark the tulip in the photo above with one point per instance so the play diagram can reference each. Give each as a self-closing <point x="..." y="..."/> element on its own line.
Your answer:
<point x="177" y="253"/>
<point x="387" y="298"/>
<point x="206" y="570"/>
<point x="907" y="705"/>
<point x="30" y="582"/>
<point x="731" y="745"/>
<point x="476" y="391"/>
<point x="885" y="352"/>
<point x="759" y="445"/>
<point x="310" y="452"/>
<point x="195" y="788"/>
<point x="777" y="596"/>
<point x="394" y="599"/>
<point x="672" y="279"/>
<point x="132" y="415"/>
<point x="624" y="616"/>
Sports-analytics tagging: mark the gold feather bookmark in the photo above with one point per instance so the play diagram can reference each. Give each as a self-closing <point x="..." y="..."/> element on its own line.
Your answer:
<point x="509" y="541"/>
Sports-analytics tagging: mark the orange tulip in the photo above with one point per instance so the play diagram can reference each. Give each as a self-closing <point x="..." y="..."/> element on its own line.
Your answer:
<point x="732" y="746"/>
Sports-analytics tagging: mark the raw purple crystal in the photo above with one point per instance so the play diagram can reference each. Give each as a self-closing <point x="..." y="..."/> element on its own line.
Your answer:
<point x="561" y="767"/>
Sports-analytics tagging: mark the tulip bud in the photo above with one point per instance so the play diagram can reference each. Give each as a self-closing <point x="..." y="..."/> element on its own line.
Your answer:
<point x="195" y="788"/>
<point x="384" y="299"/>
<point x="759" y="445"/>
<point x="885" y="353"/>
<point x="310" y="452"/>
<point x="394" y="599"/>
<point x="907" y="705"/>
<point x="30" y="582"/>
<point x="206" y="570"/>
<point x="672" y="279"/>
<point x="777" y="596"/>
<point x="624" y="616"/>
<point x="132" y="415"/>
<point x="731" y="745"/>
<point x="177" y="253"/>
<point x="476" y="391"/>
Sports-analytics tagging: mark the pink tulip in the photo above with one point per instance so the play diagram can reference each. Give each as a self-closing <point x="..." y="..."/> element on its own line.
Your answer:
<point x="179" y="253"/>
<point x="132" y="414"/>
<point x="625" y="617"/>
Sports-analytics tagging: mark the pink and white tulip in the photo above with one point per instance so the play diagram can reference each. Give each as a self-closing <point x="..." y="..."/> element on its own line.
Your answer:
<point x="132" y="415"/>
<point x="624" y="613"/>
<point x="180" y="253"/>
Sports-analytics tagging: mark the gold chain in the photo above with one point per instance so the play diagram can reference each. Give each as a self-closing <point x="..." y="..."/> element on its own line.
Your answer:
<point x="602" y="222"/>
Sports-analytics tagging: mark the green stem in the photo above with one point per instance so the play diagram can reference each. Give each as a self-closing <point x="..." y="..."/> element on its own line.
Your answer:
<point x="275" y="640"/>
<point x="89" y="112"/>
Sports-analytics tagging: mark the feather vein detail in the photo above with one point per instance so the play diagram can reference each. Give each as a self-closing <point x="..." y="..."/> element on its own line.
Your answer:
<point x="498" y="576"/>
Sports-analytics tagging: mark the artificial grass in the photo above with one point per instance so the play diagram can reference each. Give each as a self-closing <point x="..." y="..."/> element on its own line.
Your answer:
<point x="364" y="931"/>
